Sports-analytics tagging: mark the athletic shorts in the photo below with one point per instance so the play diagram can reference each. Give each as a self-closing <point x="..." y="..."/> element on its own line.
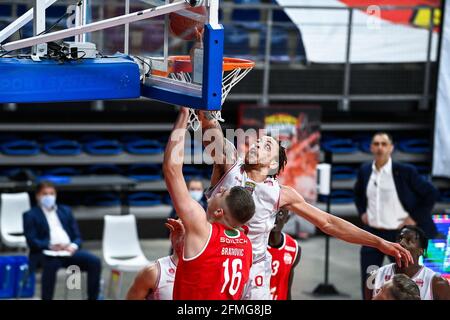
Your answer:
<point x="258" y="285"/>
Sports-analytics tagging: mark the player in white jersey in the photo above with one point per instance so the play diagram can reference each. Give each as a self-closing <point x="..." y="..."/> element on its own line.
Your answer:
<point x="257" y="171"/>
<point x="431" y="285"/>
<point x="155" y="282"/>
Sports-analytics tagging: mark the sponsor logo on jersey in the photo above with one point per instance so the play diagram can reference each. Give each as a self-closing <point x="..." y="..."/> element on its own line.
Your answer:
<point x="287" y="258"/>
<point x="172" y="271"/>
<point x="233" y="241"/>
<point x="232" y="233"/>
<point x="250" y="186"/>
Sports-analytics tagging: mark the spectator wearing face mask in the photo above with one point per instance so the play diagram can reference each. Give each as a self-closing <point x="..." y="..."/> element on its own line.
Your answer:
<point x="195" y="187"/>
<point x="54" y="241"/>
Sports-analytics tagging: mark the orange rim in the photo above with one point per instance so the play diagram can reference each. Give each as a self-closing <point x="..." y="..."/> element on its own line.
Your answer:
<point x="183" y="64"/>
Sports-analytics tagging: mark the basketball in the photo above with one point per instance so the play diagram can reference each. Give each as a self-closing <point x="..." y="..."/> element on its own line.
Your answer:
<point x="183" y="25"/>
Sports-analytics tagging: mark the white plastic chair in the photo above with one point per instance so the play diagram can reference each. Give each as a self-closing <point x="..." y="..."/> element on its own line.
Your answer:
<point x="13" y="206"/>
<point x="121" y="249"/>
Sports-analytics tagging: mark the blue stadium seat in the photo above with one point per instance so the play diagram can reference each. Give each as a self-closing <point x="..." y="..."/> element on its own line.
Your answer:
<point x="103" y="169"/>
<point x="190" y="172"/>
<point x="415" y="146"/>
<point x="103" y="147"/>
<point x="5" y="10"/>
<point x="250" y="18"/>
<point x="144" y="199"/>
<point x="340" y="146"/>
<point x="144" y="146"/>
<point x="103" y="199"/>
<point x="7" y="277"/>
<point x="339" y="197"/>
<point x="55" y="11"/>
<point x="59" y="175"/>
<point x="279" y="50"/>
<point x="62" y="172"/>
<point x="445" y="196"/>
<point x="343" y="173"/>
<point x="145" y="172"/>
<point x="236" y="42"/>
<point x="20" y="148"/>
<point x="62" y="148"/>
<point x="280" y="15"/>
<point x="25" y="280"/>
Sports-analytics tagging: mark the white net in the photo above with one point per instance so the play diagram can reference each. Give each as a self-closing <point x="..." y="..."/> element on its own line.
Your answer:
<point x="229" y="80"/>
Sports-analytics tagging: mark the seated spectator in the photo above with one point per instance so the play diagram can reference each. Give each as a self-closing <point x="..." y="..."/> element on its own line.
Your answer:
<point x="54" y="241"/>
<point x="400" y="287"/>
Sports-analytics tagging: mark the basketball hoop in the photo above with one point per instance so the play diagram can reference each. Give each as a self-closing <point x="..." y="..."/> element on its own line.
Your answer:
<point x="234" y="70"/>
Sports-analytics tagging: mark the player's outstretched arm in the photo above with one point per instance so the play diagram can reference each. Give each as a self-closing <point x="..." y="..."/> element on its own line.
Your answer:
<point x="339" y="228"/>
<point x="189" y="210"/>
<point x="144" y="283"/>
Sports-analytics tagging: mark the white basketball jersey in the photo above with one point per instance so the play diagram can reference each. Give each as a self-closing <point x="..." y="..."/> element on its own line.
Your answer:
<point x="423" y="279"/>
<point x="166" y="279"/>
<point x="266" y="196"/>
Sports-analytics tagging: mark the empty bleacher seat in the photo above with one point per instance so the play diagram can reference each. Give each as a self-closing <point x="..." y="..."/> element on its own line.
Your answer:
<point x="103" y="199"/>
<point x="145" y="172"/>
<point x="340" y="146"/>
<point x="415" y="146"/>
<point x="143" y="199"/>
<point x="20" y="148"/>
<point x="62" y="148"/>
<point x="339" y="197"/>
<point x="279" y="49"/>
<point x="250" y="18"/>
<point x="236" y="42"/>
<point x="103" y="147"/>
<point x="103" y="169"/>
<point x="445" y="196"/>
<point x="190" y="172"/>
<point x="144" y="146"/>
<point x="343" y="173"/>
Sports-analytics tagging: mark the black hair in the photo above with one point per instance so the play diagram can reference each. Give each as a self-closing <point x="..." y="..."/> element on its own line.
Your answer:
<point x="423" y="240"/>
<point x="282" y="158"/>
<point x="380" y="133"/>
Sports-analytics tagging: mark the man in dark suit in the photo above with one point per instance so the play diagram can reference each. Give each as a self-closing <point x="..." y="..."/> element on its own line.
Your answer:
<point x="388" y="196"/>
<point x="54" y="241"/>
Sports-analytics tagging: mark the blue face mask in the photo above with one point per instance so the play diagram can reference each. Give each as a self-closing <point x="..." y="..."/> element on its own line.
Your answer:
<point x="196" y="195"/>
<point x="48" y="201"/>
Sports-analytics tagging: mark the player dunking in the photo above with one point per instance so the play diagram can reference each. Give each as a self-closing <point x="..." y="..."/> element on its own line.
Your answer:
<point x="286" y="254"/>
<point x="257" y="171"/>
<point x="217" y="256"/>
<point x="155" y="282"/>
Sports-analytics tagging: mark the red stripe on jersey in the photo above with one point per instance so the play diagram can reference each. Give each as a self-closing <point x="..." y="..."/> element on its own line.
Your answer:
<point x="221" y="270"/>
<point x="282" y="260"/>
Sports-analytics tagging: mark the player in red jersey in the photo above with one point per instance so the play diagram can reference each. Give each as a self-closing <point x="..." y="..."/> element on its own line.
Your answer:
<point x="217" y="256"/>
<point x="285" y="253"/>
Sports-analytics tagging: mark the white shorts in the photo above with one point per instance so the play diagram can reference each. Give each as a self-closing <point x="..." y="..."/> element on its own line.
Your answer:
<point x="258" y="285"/>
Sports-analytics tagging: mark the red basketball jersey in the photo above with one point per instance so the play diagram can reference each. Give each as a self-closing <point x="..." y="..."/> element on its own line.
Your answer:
<point x="283" y="259"/>
<point x="220" y="271"/>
